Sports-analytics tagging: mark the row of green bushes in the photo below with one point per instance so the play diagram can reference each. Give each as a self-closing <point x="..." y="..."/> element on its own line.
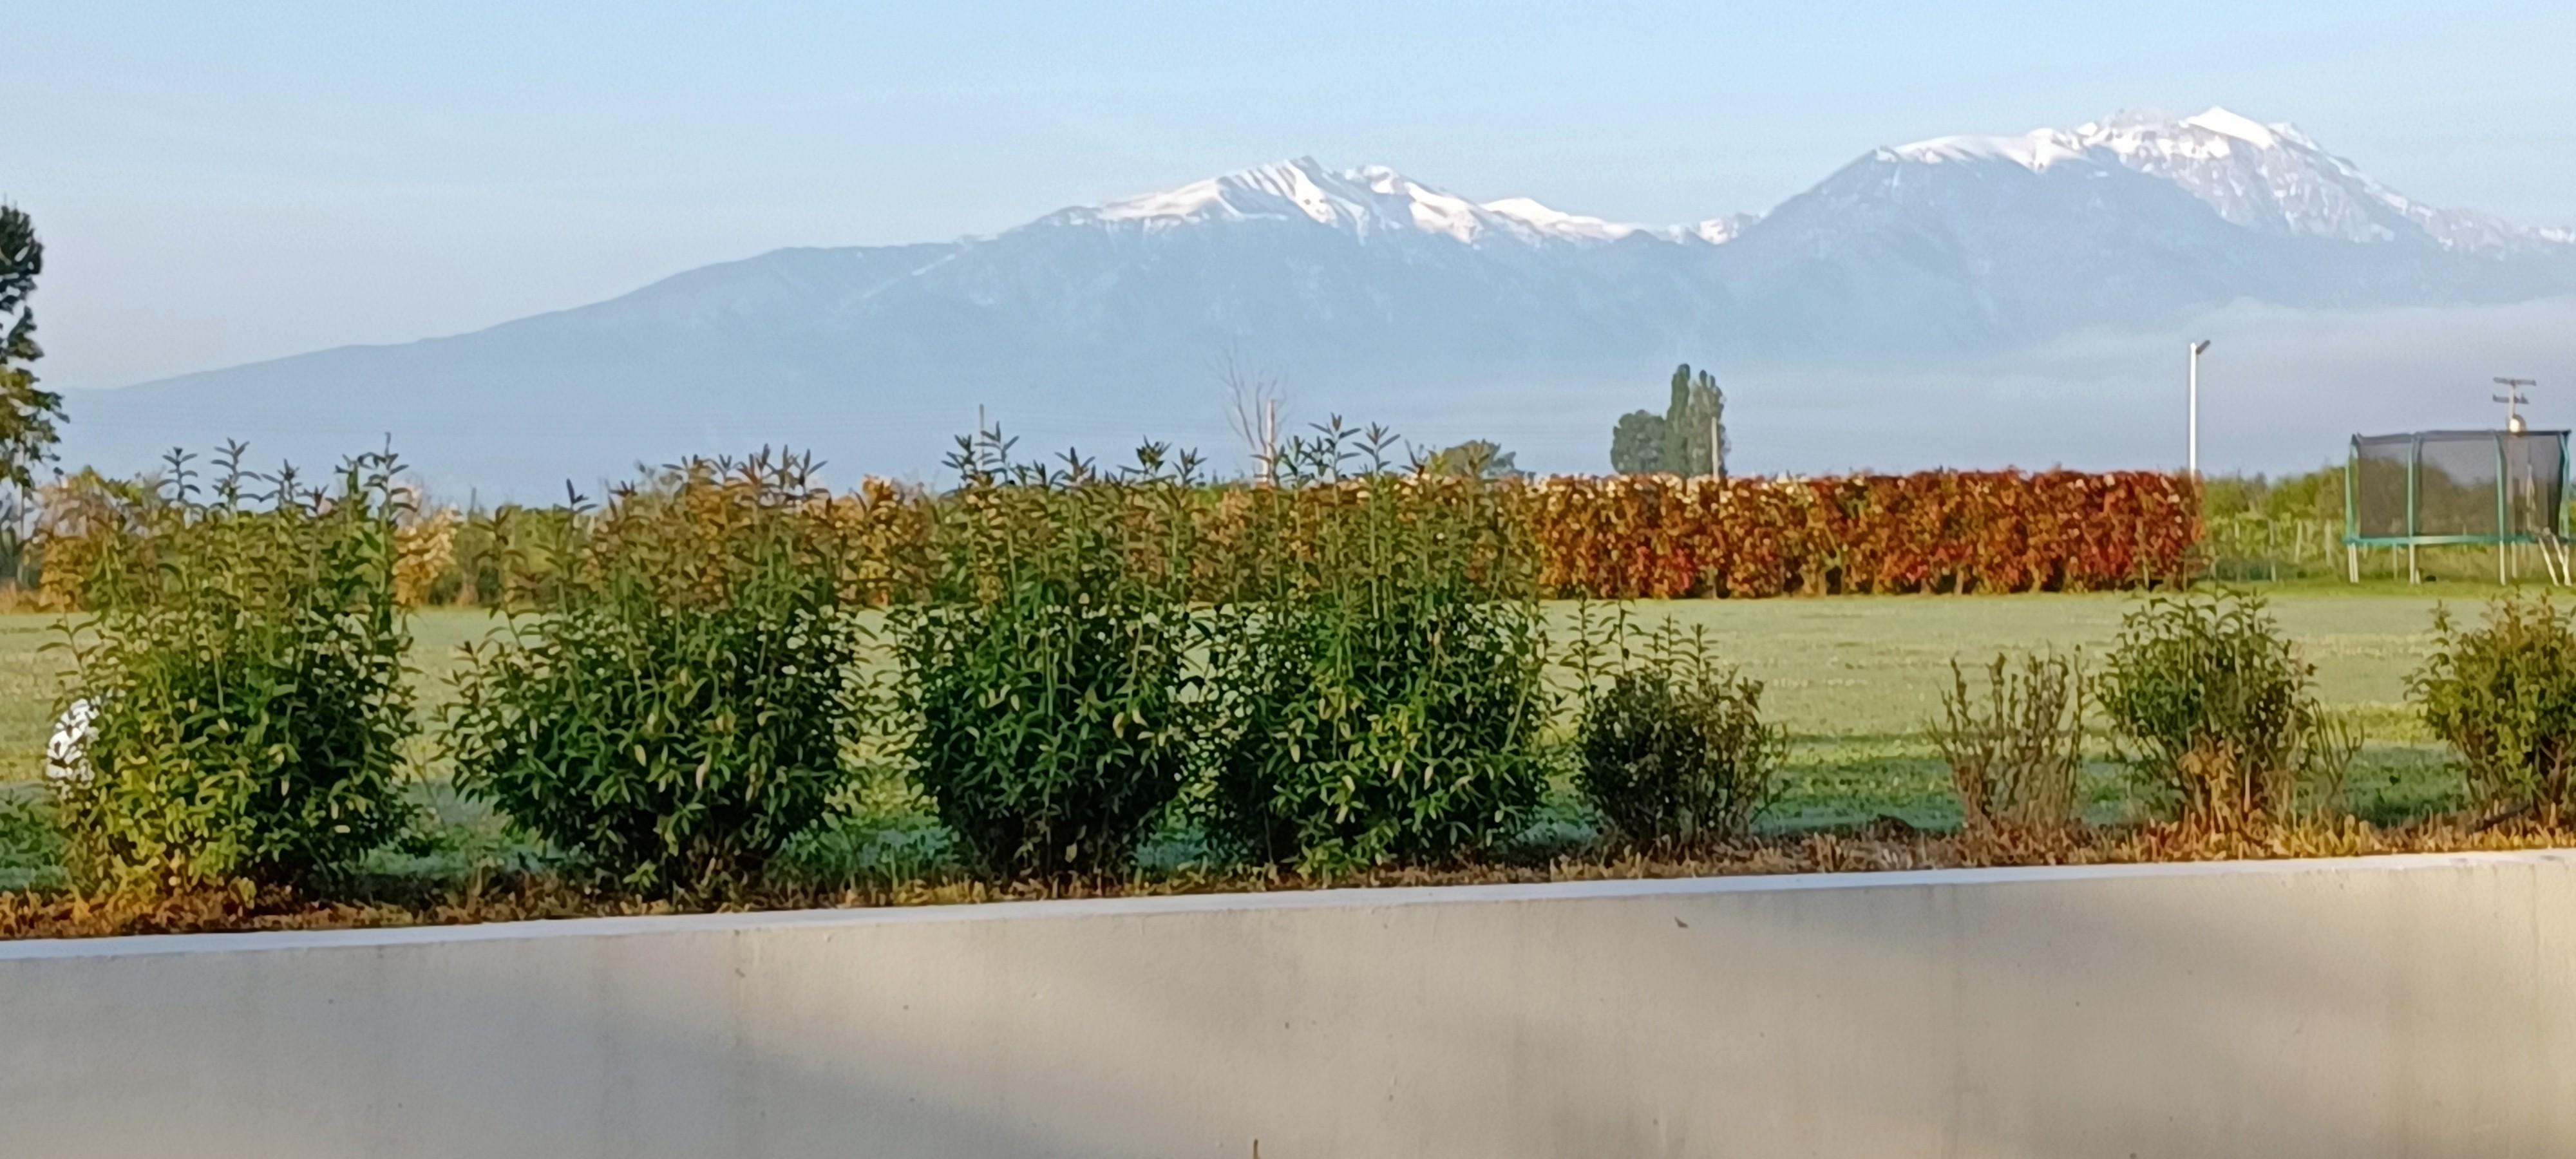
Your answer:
<point x="703" y="689"/>
<point x="708" y="684"/>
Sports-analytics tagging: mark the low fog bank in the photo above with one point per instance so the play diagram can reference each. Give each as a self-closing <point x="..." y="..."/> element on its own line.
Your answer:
<point x="2282" y="390"/>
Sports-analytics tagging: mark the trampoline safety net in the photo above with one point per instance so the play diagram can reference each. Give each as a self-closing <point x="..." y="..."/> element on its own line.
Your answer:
<point x="2457" y="486"/>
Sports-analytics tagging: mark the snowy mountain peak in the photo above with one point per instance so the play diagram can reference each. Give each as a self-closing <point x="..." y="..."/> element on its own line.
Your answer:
<point x="1555" y="222"/>
<point x="1362" y="201"/>
<point x="2264" y="176"/>
<point x="1367" y="201"/>
<point x="1298" y="185"/>
<point x="2035" y="150"/>
<point x="2221" y="121"/>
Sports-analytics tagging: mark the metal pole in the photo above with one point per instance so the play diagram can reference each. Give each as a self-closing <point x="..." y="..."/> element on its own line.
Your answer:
<point x="2193" y="458"/>
<point x="2414" y="466"/>
<point x="2351" y="525"/>
<point x="2512" y="398"/>
<point x="2504" y="481"/>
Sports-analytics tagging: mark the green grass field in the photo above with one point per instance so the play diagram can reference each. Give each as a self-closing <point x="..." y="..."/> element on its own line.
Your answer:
<point x="1853" y="678"/>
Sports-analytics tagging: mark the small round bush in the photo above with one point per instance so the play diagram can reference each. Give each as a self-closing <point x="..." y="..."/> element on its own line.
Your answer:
<point x="1671" y="747"/>
<point x="245" y="687"/>
<point x="2504" y="695"/>
<point x="1360" y="736"/>
<point x="683" y="715"/>
<point x="1380" y="672"/>
<point x="1051" y="705"/>
<point x="2221" y="710"/>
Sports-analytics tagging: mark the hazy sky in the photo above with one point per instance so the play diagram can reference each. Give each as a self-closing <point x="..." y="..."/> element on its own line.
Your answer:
<point x="222" y="183"/>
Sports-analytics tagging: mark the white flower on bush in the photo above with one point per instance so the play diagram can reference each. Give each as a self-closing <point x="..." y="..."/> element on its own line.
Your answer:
<point x="67" y="753"/>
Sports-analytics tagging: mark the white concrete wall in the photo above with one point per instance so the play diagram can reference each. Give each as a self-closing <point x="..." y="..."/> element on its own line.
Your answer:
<point x="2396" y="1006"/>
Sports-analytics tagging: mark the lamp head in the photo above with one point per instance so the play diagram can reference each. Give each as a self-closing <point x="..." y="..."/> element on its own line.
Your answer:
<point x="2199" y="346"/>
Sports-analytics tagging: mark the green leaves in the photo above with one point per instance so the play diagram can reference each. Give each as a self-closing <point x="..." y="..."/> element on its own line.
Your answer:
<point x="1049" y="703"/>
<point x="1378" y="683"/>
<point x="2504" y="695"/>
<point x="683" y="715"/>
<point x="1671" y="744"/>
<point x="2222" y="711"/>
<point x="247" y="685"/>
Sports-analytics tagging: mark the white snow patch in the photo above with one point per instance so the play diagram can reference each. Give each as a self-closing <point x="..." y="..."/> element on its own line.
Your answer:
<point x="1550" y="220"/>
<point x="2036" y="150"/>
<point x="1721" y="230"/>
<point x="2246" y="129"/>
<point x="1368" y="200"/>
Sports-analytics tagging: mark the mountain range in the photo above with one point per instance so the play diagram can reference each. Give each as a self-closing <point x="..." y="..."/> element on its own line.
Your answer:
<point x="1376" y="293"/>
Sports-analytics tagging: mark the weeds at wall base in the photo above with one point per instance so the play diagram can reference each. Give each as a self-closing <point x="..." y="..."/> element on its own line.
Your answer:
<point x="539" y="897"/>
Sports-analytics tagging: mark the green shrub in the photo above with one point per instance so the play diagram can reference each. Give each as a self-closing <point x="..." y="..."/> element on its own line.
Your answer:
<point x="2220" y="707"/>
<point x="1671" y="746"/>
<point x="1047" y="685"/>
<point x="31" y="846"/>
<point x="1382" y="691"/>
<point x="682" y="717"/>
<point x="2504" y="695"/>
<point x="2014" y="751"/>
<point x="249" y="703"/>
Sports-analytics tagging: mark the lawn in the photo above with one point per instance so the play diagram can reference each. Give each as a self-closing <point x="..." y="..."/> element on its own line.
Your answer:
<point x="1853" y="678"/>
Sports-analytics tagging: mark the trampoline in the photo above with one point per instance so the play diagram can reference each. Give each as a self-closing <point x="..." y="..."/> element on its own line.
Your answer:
<point x="2458" y="488"/>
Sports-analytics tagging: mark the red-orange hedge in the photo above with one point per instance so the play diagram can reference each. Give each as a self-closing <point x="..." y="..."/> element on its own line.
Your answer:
<point x="1640" y="536"/>
<point x="1938" y="531"/>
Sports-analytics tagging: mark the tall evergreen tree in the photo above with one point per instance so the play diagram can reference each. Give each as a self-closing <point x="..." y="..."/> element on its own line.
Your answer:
<point x="1695" y="424"/>
<point x="1678" y="458"/>
<point x="27" y="415"/>
<point x="1708" y="425"/>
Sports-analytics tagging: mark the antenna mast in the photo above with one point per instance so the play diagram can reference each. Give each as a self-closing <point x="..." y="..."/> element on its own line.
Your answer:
<point x="2513" y="400"/>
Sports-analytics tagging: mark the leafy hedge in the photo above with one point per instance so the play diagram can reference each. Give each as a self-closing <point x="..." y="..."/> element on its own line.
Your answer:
<point x="1660" y="536"/>
<point x="1617" y="537"/>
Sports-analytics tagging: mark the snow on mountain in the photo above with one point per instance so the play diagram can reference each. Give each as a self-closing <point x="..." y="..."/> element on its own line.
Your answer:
<point x="1387" y="294"/>
<point x="2038" y="150"/>
<point x="1558" y="223"/>
<point x="1368" y="200"/>
<point x="1371" y="200"/>
<point x="2268" y="177"/>
<point x="1720" y="230"/>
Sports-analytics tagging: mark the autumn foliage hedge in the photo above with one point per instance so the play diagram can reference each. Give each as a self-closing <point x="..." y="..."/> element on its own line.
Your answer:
<point x="1666" y="537"/>
<point x="1616" y="537"/>
<point x="1661" y="536"/>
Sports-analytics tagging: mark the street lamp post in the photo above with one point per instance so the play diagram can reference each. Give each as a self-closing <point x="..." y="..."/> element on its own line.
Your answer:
<point x="2194" y="461"/>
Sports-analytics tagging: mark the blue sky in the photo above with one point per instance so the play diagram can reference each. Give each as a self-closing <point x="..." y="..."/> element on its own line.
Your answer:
<point x="218" y="184"/>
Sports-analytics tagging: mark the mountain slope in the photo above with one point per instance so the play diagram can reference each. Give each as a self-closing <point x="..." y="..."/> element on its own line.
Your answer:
<point x="1377" y="293"/>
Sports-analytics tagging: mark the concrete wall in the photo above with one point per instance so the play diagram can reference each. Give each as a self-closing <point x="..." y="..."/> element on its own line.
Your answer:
<point x="2396" y="1006"/>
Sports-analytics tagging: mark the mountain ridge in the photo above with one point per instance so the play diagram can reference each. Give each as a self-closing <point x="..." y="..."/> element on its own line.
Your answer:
<point x="1396" y="291"/>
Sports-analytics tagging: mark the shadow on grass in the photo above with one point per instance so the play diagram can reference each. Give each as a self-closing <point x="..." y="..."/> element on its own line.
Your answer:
<point x="31" y="849"/>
